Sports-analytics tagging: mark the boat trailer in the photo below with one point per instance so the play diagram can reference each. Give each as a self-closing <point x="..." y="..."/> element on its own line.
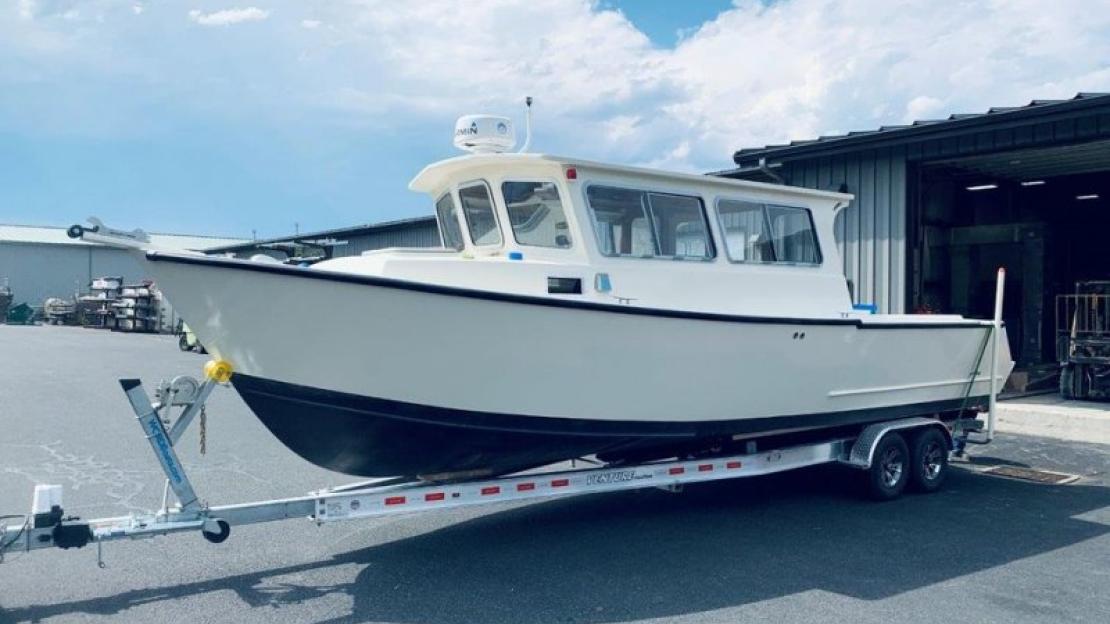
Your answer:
<point x="880" y="449"/>
<point x="47" y="526"/>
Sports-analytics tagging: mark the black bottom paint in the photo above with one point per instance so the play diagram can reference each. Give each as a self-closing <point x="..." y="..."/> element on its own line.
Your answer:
<point x="374" y="437"/>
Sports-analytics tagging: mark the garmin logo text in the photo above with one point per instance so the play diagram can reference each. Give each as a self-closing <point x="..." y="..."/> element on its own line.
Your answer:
<point x="611" y="477"/>
<point x="471" y="131"/>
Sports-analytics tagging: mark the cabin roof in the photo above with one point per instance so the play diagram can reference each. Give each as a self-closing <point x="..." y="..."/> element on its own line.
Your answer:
<point x="439" y="174"/>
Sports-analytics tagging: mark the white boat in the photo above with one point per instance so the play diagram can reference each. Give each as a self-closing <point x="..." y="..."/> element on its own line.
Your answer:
<point x="575" y="308"/>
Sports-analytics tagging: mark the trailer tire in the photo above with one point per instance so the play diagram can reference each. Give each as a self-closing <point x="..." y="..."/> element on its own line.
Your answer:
<point x="218" y="538"/>
<point x="890" y="468"/>
<point x="928" y="460"/>
<point x="183" y="343"/>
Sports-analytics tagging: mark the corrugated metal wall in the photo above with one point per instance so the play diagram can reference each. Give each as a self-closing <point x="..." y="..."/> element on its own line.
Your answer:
<point x="38" y="271"/>
<point x="411" y="235"/>
<point x="871" y="231"/>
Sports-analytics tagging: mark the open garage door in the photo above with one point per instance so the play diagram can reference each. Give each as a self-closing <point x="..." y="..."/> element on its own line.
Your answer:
<point x="1042" y="213"/>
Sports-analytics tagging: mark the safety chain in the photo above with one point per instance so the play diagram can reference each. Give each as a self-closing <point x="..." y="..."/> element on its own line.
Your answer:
<point x="203" y="430"/>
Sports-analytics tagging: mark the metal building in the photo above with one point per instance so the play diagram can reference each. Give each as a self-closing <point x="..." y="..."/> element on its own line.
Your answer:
<point x="339" y="242"/>
<point x="41" y="262"/>
<point x="940" y="204"/>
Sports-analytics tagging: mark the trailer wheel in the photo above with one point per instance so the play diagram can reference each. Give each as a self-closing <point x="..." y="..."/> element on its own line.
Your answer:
<point x="890" y="468"/>
<point x="183" y="343"/>
<point x="217" y="538"/>
<point x="928" y="460"/>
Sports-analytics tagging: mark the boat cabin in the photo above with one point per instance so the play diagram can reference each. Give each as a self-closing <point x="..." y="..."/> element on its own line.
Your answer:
<point x="541" y="225"/>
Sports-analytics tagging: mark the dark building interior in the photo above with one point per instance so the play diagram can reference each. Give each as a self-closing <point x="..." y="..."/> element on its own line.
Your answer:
<point x="1044" y="214"/>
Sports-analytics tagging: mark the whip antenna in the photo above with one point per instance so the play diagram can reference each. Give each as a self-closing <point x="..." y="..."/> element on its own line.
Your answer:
<point x="527" y="124"/>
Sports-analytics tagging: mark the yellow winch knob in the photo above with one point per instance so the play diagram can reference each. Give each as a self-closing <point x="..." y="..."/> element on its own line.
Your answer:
<point x="218" y="371"/>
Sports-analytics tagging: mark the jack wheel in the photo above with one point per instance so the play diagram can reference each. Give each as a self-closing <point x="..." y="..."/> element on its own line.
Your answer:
<point x="928" y="459"/>
<point x="890" y="468"/>
<point x="218" y="538"/>
<point x="183" y="343"/>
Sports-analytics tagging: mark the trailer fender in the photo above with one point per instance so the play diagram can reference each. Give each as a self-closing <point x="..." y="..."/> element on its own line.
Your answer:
<point x="863" y="449"/>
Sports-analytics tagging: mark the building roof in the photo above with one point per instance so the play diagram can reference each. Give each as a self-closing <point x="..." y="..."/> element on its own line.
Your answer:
<point x="52" y="235"/>
<point x="925" y="128"/>
<point x="353" y="230"/>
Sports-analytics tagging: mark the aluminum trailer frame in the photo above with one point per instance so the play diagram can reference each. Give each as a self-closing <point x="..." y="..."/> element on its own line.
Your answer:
<point x="48" y="527"/>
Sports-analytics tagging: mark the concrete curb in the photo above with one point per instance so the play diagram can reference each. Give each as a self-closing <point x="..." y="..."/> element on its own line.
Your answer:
<point x="1073" y="421"/>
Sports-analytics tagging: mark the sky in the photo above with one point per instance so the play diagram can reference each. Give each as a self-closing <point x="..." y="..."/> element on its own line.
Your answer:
<point x="230" y="117"/>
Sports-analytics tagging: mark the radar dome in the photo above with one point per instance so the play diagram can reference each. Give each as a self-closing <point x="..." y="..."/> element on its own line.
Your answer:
<point x="484" y="134"/>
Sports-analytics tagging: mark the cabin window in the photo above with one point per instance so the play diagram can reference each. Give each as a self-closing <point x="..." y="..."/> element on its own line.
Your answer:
<point x="448" y="217"/>
<point x="643" y="224"/>
<point x="755" y="232"/>
<point x="536" y="214"/>
<point x="747" y="238"/>
<point x="477" y="207"/>
<point x="792" y="235"/>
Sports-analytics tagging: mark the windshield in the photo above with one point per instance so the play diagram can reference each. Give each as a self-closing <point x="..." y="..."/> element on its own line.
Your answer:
<point x="536" y="214"/>
<point x="449" y="222"/>
<point x="478" y="210"/>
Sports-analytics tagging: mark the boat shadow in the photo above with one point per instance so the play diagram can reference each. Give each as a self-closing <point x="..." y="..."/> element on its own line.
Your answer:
<point x="651" y="554"/>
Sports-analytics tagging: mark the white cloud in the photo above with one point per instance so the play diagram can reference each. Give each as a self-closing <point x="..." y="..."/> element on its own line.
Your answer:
<point x="762" y="72"/>
<point x="227" y="17"/>
<point x="137" y="8"/>
<point x="923" y="107"/>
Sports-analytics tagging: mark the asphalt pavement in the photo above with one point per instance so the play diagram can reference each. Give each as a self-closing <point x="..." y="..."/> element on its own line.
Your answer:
<point x="800" y="547"/>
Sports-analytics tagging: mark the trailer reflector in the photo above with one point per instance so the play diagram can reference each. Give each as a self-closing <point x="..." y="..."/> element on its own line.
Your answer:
<point x="524" y="487"/>
<point x="493" y="489"/>
<point x="705" y="467"/>
<point x="560" y="482"/>
<point x="395" y="500"/>
<point x="733" y="465"/>
<point x="676" y="470"/>
<point x="434" y="496"/>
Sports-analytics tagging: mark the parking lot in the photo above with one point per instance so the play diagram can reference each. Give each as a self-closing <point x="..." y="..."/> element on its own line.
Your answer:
<point x="802" y="546"/>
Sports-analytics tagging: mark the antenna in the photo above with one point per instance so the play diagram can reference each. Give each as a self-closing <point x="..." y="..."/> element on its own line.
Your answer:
<point x="527" y="124"/>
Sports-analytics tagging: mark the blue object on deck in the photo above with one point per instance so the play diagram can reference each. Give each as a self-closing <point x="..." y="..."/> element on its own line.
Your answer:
<point x="516" y="255"/>
<point x="866" y="307"/>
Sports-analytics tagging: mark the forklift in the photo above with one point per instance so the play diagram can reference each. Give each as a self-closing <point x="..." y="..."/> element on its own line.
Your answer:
<point x="1083" y="341"/>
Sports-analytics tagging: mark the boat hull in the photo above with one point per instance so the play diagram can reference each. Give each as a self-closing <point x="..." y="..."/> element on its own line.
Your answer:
<point x="371" y="436"/>
<point x="377" y="377"/>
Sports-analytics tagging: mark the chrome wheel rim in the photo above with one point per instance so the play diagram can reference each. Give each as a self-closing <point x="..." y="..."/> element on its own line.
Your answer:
<point x="891" y="467"/>
<point x="932" y="461"/>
